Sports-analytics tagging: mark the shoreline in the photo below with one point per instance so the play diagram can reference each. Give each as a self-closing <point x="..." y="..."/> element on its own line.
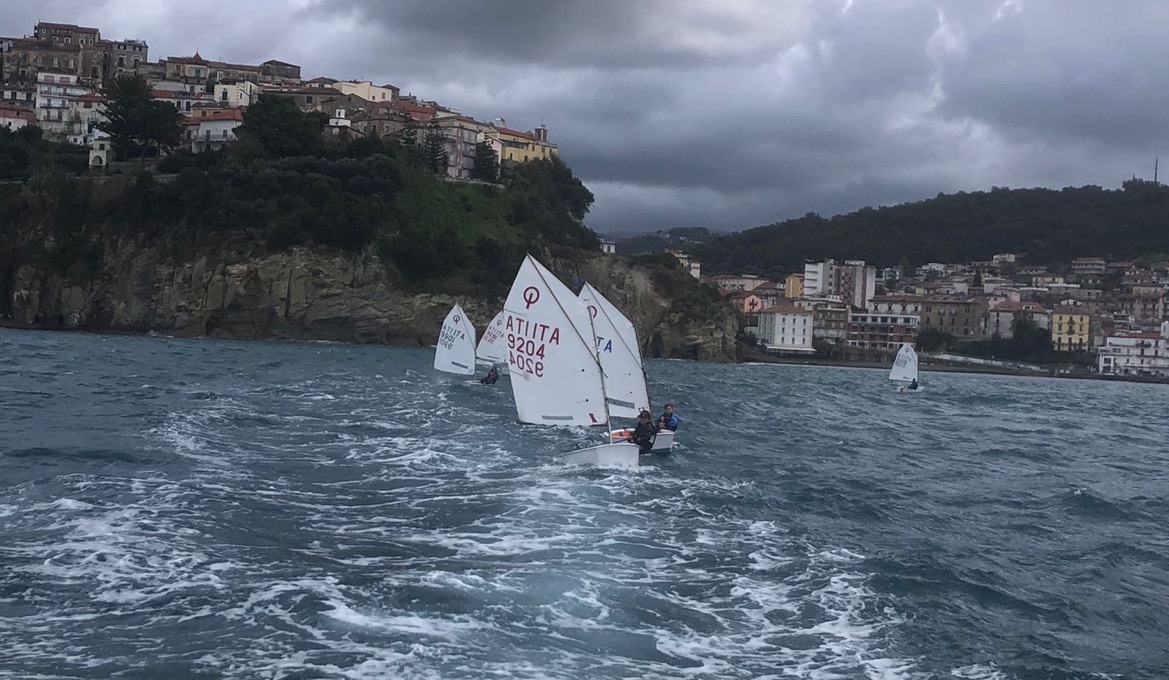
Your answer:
<point x="748" y="355"/>
<point x="931" y="367"/>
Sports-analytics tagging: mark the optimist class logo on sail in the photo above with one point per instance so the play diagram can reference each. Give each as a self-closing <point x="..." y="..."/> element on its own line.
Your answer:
<point x="527" y="342"/>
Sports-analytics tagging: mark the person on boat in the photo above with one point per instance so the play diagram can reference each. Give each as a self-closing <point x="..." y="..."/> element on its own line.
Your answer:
<point x="668" y="420"/>
<point x="913" y="385"/>
<point x="491" y="377"/>
<point x="643" y="434"/>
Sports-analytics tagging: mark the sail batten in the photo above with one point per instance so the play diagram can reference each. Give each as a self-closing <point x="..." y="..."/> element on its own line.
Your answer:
<point x="617" y="351"/>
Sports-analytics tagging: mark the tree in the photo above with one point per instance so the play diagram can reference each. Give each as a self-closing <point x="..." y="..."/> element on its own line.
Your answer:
<point x="281" y="129"/>
<point x="486" y="163"/>
<point x="135" y="120"/>
<point x="435" y="149"/>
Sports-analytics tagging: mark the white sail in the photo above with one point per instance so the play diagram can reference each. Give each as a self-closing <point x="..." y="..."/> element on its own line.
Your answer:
<point x="493" y="345"/>
<point x="905" y="365"/>
<point x="620" y="357"/>
<point x="555" y="372"/>
<point x="455" y="350"/>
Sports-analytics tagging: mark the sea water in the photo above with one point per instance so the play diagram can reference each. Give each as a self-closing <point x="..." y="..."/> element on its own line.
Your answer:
<point x="177" y="508"/>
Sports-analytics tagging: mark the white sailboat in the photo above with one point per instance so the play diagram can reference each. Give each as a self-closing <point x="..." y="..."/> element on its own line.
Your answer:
<point x="617" y="348"/>
<point x="905" y="369"/>
<point x="455" y="350"/>
<point x="492" y="346"/>
<point x="556" y="374"/>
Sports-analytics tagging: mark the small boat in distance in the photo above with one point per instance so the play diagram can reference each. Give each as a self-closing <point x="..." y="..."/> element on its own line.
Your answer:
<point x="905" y="369"/>
<point x="455" y="350"/>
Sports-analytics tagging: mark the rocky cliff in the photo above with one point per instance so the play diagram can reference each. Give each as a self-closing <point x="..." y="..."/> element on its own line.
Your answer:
<point x="312" y="294"/>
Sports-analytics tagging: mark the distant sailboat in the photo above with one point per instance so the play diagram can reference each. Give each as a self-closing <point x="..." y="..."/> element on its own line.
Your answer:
<point x="617" y="348"/>
<point x="556" y="374"/>
<point x="455" y="350"/>
<point x="492" y="346"/>
<point x="905" y="369"/>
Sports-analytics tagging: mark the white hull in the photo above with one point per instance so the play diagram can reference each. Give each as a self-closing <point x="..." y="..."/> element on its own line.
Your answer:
<point x="903" y="389"/>
<point x="606" y="455"/>
<point x="663" y="441"/>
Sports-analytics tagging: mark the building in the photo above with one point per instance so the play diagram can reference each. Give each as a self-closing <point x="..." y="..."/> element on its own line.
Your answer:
<point x="28" y="57"/>
<point x="1070" y="329"/>
<point x="793" y="286"/>
<point x="820" y="278"/>
<point x="881" y="331"/>
<point x="1000" y="319"/>
<point x="184" y="101"/>
<point x="784" y="327"/>
<point x="857" y="283"/>
<point x="829" y="318"/>
<point x="520" y="147"/>
<point x="769" y="292"/>
<point x="213" y="128"/>
<point x="101" y="152"/>
<point x="1089" y="266"/>
<point x="57" y="112"/>
<point x="1134" y="354"/>
<point x="745" y="301"/>
<point x="66" y="34"/>
<point x="236" y="93"/>
<point x="364" y="89"/>
<point x="959" y="317"/>
<point x="896" y="304"/>
<point x="689" y="264"/>
<point x="460" y="135"/>
<point x="13" y="117"/>
<point x="737" y="281"/>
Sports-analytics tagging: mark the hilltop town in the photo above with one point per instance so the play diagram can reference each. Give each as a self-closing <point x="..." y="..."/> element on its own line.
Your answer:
<point x="1088" y="315"/>
<point x="54" y="79"/>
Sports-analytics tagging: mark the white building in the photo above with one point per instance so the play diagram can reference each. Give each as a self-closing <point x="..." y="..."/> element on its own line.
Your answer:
<point x="1135" y="354"/>
<point x="214" y="129"/>
<point x="784" y="327"/>
<point x="236" y="93"/>
<point x="694" y="267"/>
<point x="820" y="278"/>
<point x="15" y="117"/>
<point x="608" y="247"/>
<point x="101" y="151"/>
<point x="56" y="93"/>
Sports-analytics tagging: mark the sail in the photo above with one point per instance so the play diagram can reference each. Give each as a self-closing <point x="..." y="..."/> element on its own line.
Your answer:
<point x="493" y="345"/>
<point x="905" y="365"/>
<point x="455" y="350"/>
<point x="555" y="373"/>
<point x="620" y="357"/>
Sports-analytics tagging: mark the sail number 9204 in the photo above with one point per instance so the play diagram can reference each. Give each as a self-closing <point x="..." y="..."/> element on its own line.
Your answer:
<point x="526" y="355"/>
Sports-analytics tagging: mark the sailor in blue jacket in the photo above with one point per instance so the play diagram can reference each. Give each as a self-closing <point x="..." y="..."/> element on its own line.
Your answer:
<point x="668" y="420"/>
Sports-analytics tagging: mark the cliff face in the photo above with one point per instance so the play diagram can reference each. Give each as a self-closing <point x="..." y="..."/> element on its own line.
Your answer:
<point x="315" y="295"/>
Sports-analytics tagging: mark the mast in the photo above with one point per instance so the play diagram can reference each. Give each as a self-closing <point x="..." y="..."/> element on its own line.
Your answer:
<point x="604" y="393"/>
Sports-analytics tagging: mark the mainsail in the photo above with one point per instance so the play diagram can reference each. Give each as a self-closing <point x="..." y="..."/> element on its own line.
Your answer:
<point x="455" y="350"/>
<point x="616" y="342"/>
<point x="493" y="345"/>
<point x="551" y="356"/>
<point x="905" y="365"/>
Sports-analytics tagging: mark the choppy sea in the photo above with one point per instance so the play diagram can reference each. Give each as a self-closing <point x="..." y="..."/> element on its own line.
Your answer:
<point x="209" y="509"/>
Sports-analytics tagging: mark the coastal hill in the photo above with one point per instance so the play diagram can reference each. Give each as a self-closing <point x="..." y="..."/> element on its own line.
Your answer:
<point x="1047" y="226"/>
<point x="292" y="233"/>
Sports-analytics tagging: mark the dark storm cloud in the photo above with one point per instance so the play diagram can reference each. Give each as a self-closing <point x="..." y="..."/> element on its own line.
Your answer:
<point x="735" y="113"/>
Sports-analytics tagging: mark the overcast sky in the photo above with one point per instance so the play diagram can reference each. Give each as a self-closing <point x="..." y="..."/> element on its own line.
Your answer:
<point x="735" y="113"/>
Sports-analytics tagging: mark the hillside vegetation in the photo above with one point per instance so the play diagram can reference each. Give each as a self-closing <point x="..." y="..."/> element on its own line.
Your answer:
<point x="1047" y="226"/>
<point x="284" y="185"/>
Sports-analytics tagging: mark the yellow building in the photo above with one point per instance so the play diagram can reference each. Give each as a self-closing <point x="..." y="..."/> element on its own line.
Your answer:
<point x="520" y="147"/>
<point x="1069" y="329"/>
<point x="793" y="286"/>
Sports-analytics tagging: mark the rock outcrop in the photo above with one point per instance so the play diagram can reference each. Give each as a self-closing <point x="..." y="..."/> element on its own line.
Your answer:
<point x="308" y="294"/>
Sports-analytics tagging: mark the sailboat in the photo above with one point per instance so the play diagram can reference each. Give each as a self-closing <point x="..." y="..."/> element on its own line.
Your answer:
<point x="492" y="346"/>
<point x="455" y="350"/>
<point x="905" y="369"/>
<point x="556" y="373"/>
<point x="617" y="348"/>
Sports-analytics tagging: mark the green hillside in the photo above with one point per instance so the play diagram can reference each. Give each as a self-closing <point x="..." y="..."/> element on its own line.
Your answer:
<point x="1047" y="226"/>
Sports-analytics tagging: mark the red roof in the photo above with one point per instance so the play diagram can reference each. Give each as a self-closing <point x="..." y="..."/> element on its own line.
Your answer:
<point x="1063" y="309"/>
<point x="768" y="286"/>
<point x="516" y="133"/>
<point x="225" y="114"/>
<point x="91" y="97"/>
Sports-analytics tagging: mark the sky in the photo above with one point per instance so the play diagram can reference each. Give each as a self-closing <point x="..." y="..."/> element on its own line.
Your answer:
<point x="736" y="113"/>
